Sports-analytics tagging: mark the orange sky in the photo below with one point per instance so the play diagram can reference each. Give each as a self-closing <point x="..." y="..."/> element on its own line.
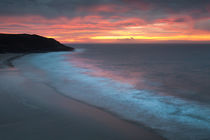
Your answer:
<point x="97" y="28"/>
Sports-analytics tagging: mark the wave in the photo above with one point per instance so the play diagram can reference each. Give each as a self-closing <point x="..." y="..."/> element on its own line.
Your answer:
<point x="172" y="117"/>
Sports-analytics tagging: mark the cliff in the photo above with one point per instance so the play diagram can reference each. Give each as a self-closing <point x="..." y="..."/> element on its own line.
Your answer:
<point x="26" y="43"/>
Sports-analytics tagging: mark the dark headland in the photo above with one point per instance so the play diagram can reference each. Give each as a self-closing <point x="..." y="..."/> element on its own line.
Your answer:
<point x="26" y="43"/>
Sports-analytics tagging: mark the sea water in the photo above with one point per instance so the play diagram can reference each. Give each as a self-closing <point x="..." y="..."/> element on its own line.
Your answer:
<point x="164" y="87"/>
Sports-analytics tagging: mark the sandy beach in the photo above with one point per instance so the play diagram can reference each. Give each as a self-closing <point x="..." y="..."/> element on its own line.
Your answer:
<point x="31" y="110"/>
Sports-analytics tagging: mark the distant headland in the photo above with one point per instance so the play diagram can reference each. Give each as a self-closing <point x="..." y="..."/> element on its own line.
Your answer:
<point x="27" y="43"/>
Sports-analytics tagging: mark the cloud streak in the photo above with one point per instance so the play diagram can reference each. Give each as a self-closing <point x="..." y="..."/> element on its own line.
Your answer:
<point x="74" y="8"/>
<point x="84" y="21"/>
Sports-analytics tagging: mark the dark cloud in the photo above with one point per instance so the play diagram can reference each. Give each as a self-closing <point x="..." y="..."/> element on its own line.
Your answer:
<point x="147" y="9"/>
<point x="162" y="8"/>
<point x="203" y="25"/>
<point x="180" y="20"/>
<point x="175" y="5"/>
<point x="47" y="8"/>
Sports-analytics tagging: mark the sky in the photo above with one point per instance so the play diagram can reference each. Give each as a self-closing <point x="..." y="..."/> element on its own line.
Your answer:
<point x="109" y="21"/>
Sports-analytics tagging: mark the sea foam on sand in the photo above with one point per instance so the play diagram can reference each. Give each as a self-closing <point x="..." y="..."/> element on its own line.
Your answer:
<point x="172" y="117"/>
<point x="30" y="109"/>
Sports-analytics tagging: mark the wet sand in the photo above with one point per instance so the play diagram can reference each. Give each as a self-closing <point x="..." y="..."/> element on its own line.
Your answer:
<point x="32" y="110"/>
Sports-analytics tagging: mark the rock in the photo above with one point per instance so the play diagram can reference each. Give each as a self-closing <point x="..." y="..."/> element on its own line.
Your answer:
<point x="26" y="43"/>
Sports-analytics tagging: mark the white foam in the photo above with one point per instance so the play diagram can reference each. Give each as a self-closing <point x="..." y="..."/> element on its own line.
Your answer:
<point x="172" y="117"/>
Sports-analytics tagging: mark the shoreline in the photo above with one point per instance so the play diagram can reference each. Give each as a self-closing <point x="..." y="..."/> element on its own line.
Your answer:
<point x="6" y="59"/>
<point x="109" y="112"/>
<point x="47" y="104"/>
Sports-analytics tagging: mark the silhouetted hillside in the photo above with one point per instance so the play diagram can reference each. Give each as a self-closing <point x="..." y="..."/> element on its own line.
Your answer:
<point x="22" y="43"/>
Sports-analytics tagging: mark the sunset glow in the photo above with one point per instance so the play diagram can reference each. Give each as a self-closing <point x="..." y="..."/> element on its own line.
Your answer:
<point x="183" y="37"/>
<point x="132" y="22"/>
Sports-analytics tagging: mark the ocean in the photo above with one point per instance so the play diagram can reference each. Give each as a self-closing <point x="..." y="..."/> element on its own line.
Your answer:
<point x="165" y="87"/>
